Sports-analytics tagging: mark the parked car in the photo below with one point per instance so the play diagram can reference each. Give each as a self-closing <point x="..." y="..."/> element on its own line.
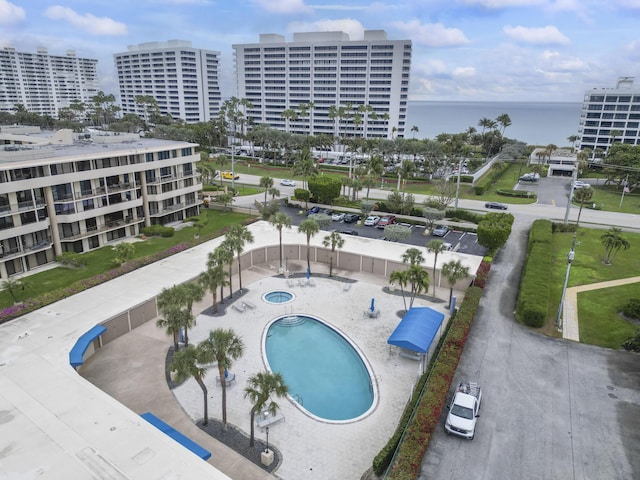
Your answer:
<point x="495" y="205"/>
<point x="229" y="176"/>
<point x="287" y="183"/>
<point x="386" y="220"/>
<point x="440" y="231"/>
<point x="351" y="218"/>
<point x="464" y="410"/>
<point x="349" y="232"/>
<point x="371" y="221"/>
<point x="337" y="216"/>
<point x="580" y="184"/>
<point x="315" y="209"/>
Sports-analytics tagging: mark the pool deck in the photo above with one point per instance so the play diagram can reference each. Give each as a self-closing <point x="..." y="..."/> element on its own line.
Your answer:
<point x="76" y="427"/>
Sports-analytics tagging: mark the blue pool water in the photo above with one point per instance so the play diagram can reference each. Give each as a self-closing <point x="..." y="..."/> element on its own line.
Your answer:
<point x="323" y="371"/>
<point x="278" y="297"/>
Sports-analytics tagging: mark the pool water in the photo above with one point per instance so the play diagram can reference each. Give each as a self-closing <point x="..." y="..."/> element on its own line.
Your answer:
<point x="278" y="296"/>
<point x="323" y="371"/>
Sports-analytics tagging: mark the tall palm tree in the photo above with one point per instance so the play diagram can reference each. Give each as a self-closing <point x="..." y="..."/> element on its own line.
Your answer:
<point x="259" y="390"/>
<point x="453" y="271"/>
<point x="180" y="297"/>
<point x="309" y="227"/>
<point x="436" y="247"/>
<point x="400" y="277"/>
<point x="414" y="130"/>
<point x="266" y="182"/>
<point x="221" y="257"/>
<point x="573" y="139"/>
<point x="223" y="346"/>
<point x="187" y="363"/>
<point x="418" y="278"/>
<point x="280" y="220"/>
<point x="412" y="256"/>
<point x="238" y="236"/>
<point x="582" y="195"/>
<point x="613" y="241"/>
<point x="305" y="166"/>
<point x="333" y="240"/>
<point x="504" y="121"/>
<point x="228" y="248"/>
<point x="172" y="320"/>
<point x="213" y="277"/>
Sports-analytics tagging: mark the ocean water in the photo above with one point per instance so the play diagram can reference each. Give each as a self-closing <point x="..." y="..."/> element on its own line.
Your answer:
<point x="536" y="123"/>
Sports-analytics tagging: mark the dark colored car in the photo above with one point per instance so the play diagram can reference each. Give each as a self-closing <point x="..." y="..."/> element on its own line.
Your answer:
<point x="386" y="220"/>
<point x="315" y="209"/>
<point x="351" y="218"/>
<point x="349" y="232"/>
<point x="495" y="205"/>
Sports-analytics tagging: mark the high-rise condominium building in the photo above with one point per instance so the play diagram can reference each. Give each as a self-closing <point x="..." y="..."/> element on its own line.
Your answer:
<point x="71" y="192"/>
<point x="183" y="80"/>
<point x="45" y="83"/>
<point x="610" y="115"/>
<point x="326" y="83"/>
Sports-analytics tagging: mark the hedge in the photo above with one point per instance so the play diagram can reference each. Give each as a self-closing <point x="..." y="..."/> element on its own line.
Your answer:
<point x="462" y="214"/>
<point x="535" y="292"/>
<point x="516" y="193"/>
<point x="488" y="179"/>
<point x="158" y="231"/>
<point x="411" y="439"/>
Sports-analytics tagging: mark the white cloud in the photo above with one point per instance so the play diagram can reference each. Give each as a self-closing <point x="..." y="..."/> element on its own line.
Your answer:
<point x="464" y="72"/>
<point x="432" y="34"/>
<point x="353" y="27"/>
<point x="540" y="36"/>
<point x="87" y="22"/>
<point x="629" y="3"/>
<point x="498" y="4"/>
<point x="283" y="6"/>
<point x="10" y="13"/>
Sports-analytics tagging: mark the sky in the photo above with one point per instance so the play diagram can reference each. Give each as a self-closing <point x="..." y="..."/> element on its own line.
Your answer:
<point x="463" y="50"/>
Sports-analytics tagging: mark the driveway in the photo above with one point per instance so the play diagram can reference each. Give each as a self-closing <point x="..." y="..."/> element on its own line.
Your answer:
<point x="552" y="409"/>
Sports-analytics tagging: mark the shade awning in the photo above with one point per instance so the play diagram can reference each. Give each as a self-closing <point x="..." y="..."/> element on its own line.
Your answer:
<point x="417" y="329"/>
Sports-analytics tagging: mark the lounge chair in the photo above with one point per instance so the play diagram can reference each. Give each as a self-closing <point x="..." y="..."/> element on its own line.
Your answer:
<point x="238" y="308"/>
<point x="265" y="419"/>
<point x="248" y="304"/>
<point x="312" y="282"/>
<point x="231" y="378"/>
<point x="291" y="283"/>
<point x="346" y="287"/>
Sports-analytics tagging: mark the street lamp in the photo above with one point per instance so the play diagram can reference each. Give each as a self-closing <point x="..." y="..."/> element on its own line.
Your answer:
<point x="570" y="258"/>
<point x="266" y="450"/>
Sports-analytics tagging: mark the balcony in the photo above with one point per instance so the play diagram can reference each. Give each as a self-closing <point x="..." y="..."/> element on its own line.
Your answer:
<point x="91" y="231"/>
<point x="158" y="212"/>
<point x="20" y="251"/>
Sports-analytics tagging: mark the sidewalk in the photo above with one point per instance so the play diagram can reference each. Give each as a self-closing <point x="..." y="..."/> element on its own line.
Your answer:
<point x="570" y="324"/>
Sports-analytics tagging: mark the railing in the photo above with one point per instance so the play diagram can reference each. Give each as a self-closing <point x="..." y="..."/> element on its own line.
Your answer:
<point x="18" y="251"/>
<point x="172" y="208"/>
<point x="169" y="178"/>
<point x="102" y="228"/>
<point x="298" y="399"/>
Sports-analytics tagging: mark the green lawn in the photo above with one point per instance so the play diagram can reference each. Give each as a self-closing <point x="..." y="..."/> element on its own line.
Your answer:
<point x="588" y="267"/>
<point x="600" y="323"/>
<point x="100" y="260"/>
<point x="609" y="199"/>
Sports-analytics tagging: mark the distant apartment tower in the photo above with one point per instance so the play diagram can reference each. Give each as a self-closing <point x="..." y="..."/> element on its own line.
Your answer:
<point x="324" y="70"/>
<point x="182" y="79"/>
<point x="610" y="115"/>
<point x="45" y="83"/>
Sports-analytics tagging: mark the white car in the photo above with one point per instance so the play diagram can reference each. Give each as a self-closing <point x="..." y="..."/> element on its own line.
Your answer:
<point x="371" y="221"/>
<point x="579" y="184"/>
<point x="337" y="216"/>
<point x="464" y="410"/>
<point x="287" y="183"/>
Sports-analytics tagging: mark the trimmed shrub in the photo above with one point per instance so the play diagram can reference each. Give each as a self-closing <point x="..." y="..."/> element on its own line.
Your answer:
<point x="631" y="309"/>
<point x="540" y="232"/>
<point x="482" y="274"/>
<point x="462" y="214"/>
<point x="516" y="193"/>
<point x="534" y="295"/>
<point x="633" y="344"/>
<point x="158" y="231"/>
<point x="71" y="260"/>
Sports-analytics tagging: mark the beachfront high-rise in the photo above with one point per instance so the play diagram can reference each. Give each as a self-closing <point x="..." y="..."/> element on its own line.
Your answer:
<point x="45" y="83"/>
<point x="183" y="80"/>
<point x="610" y="115"/>
<point x="320" y="79"/>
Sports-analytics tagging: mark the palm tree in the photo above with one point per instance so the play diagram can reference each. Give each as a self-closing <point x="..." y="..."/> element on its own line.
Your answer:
<point x="309" y="227"/>
<point x="181" y="298"/>
<point x="582" y="195"/>
<point x="221" y="257"/>
<point x="400" y="277"/>
<point x="453" y="271"/>
<point x="414" y="130"/>
<point x="573" y="139"/>
<point x="238" y="236"/>
<point x="419" y="280"/>
<point x="228" y="249"/>
<point x="223" y="346"/>
<point x="266" y="182"/>
<point x="212" y="278"/>
<point x="412" y="256"/>
<point x="172" y="320"/>
<point x="612" y="241"/>
<point x="188" y="363"/>
<point x="333" y="240"/>
<point x="305" y="166"/>
<point x="259" y="390"/>
<point x="280" y="220"/>
<point x="436" y="247"/>
<point x="505" y="121"/>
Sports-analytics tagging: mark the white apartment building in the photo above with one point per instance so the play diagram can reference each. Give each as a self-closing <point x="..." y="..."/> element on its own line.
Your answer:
<point x="323" y="70"/>
<point x="45" y="83"/>
<point x="182" y="79"/>
<point x="67" y="192"/>
<point x="610" y="115"/>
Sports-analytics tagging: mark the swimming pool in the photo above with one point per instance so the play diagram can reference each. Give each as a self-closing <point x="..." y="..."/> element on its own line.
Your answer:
<point x="278" y="296"/>
<point x="325" y="374"/>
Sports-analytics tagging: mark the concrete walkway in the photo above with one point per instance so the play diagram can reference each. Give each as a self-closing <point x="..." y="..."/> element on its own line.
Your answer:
<point x="570" y="324"/>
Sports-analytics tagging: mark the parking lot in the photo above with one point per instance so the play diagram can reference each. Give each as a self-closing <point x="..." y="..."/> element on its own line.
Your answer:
<point x="462" y="242"/>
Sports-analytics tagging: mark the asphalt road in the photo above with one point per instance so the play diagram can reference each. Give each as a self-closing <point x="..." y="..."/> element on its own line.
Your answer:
<point x="551" y="408"/>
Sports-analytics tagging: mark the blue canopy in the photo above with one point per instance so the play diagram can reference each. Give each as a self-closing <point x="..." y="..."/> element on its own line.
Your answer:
<point x="417" y="329"/>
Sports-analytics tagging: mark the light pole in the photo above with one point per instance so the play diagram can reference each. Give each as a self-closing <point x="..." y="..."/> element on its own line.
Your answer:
<point x="570" y="258"/>
<point x="573" y="187"/>
<point x="458" y="183"/>
<point x="266" y="450"/>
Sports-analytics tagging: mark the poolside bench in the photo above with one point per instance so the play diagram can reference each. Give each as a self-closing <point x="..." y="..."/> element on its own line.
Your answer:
<point x="238" y="308"/>
<point x="410" y="354"/>
<point x="228" y="380"/>
<point x="265" y="419"/>
<point x="76" y="355"/>
<point x="177" y="436"/>
<point x="346" y="287"/>
<point x="248" y="304"/>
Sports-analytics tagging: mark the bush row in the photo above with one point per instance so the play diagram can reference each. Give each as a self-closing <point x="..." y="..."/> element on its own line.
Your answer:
<point x="462" y="214"/>
<point x="158" y="231"/>
<point x="535" y="290"/>
<point x="489" y="178"/>
<point x="411" y="439"/>
<point x="516" y="193"/>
